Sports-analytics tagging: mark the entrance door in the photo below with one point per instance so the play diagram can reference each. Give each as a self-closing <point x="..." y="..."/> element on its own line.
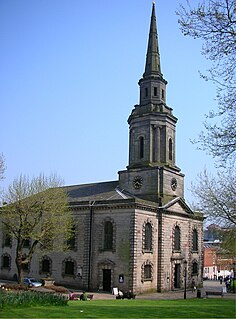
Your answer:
<point x="177" y="276"/>
<point x="106" y="279"/>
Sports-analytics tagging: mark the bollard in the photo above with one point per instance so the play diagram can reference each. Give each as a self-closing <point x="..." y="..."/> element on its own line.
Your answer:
<point x="198" y="293"/>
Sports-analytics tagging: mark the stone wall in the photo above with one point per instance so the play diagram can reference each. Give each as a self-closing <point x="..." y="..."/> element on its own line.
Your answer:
<point x="127" y="258"/>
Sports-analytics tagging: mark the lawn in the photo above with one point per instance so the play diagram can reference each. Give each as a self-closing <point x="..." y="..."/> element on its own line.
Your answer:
<point x="190" y="308"/>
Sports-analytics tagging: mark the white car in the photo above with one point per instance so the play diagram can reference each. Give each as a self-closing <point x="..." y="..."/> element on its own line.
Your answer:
<point x="32" y="282"/>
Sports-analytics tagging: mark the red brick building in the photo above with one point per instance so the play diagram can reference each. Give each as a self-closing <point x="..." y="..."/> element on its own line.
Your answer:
<point x="216" y="263"/>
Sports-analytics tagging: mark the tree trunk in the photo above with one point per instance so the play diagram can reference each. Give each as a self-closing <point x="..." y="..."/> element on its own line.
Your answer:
<point x="20" y="270"/>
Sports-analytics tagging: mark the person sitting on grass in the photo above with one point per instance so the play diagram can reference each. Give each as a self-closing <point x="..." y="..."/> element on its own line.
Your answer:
<point x="83" y="296"/>
<point x="130" y="295"/>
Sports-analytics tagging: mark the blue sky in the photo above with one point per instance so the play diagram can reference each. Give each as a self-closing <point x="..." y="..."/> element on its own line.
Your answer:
<point x="69" y="72"/>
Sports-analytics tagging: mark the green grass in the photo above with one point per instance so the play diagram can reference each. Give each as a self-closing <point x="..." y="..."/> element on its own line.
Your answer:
<point x="190" y="308"/>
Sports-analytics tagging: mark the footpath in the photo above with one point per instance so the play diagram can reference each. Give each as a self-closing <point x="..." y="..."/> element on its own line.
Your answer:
<point x="208" y="285"/>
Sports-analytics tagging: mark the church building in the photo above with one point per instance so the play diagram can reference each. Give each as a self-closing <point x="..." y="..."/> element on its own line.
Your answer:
<point x="136" y="233"/>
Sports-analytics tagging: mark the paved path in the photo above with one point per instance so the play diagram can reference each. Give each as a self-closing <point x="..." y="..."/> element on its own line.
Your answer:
<point x="207" y="285"/>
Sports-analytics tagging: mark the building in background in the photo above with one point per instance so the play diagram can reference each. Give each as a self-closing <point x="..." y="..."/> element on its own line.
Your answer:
<point x="217" y="264"/>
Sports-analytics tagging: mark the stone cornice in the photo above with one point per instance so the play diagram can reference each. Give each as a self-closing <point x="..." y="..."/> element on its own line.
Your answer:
<point x="131" y="203"/>
<point x="184" y="215"/>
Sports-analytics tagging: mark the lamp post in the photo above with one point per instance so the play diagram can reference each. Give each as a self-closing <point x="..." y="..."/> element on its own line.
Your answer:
<point x="185" y="278"/>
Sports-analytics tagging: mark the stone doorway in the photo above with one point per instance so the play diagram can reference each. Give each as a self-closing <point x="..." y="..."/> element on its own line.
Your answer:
<point x="106" y="279"/>
<point x="177" y="276"/>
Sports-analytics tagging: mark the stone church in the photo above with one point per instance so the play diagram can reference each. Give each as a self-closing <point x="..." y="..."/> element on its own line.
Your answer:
<point x="136" y="233"/>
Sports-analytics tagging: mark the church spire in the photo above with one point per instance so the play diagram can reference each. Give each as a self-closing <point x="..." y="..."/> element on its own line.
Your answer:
<point x="153" y="66"/>
<point x="152" y="84"/>
<point x="152" y="134"/>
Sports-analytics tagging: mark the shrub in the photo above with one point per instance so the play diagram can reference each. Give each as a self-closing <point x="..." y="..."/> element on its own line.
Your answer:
<point x="30" y="298"/>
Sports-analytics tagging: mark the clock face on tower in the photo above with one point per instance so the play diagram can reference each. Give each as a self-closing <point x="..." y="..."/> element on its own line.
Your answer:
<point x="137" y="182"/>
<point x="173" y="183"/>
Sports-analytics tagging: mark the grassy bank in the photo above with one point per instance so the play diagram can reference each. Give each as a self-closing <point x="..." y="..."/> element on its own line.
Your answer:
<point x="190" y="308"/>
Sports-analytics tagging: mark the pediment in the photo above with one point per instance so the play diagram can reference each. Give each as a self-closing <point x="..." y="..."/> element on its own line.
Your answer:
<point x="178" y="205"/>
<point x="107" y="262"/>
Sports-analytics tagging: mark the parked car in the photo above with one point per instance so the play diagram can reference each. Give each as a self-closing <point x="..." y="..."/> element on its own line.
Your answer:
<point x="32" y="282"/>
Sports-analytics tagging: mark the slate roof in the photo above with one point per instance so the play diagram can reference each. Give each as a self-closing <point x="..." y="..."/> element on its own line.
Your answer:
<point x="95" y="192"/>
<point x="109" y="191"/>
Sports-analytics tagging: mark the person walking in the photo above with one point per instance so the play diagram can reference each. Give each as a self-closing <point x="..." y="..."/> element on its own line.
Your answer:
<point x="193" y="285"/>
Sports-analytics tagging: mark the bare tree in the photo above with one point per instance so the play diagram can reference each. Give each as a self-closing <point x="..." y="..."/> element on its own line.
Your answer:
<point x="36" y="210"/>
<point x="2" y="166"/>
<point x="214" y="22"/>
<point x="216" y="197"/>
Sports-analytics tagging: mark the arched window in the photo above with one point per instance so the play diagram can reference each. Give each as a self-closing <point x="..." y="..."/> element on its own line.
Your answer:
<point x="148" y="237"/>
<point x="170" y="149"/>
<point x="162" y="94"/>
<point x="46" y="265"/>
<point x="177" y="238"/>
<point x="141" y="147"/>
<point x="195" y="240"/>
<point x="147" y="272"/>
<point x="108" y="235"/>
<point x="6" y="261"/>
<point x="7" y="240"/>
<point x="155" y="91"/>
<point x="71" y="241"/>
<point x="69" y="268"/>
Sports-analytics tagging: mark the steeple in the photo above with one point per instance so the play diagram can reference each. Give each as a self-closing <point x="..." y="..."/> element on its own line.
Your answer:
<point x="151" y="173"/>
<point x="152" y="124"/>
<point x="153" y="65"/>
<point x="152" y="84"/>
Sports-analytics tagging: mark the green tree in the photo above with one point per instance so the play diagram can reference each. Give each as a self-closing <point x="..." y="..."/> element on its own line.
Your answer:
<point x="37" y="210"/>
<point x="228" y="244"/>
<point x="214" y="22"/>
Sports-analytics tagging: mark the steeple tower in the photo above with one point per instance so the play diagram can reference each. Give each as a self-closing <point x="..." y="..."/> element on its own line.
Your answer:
<point x="155" y="121"/>
<point x="152" y="127"/>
